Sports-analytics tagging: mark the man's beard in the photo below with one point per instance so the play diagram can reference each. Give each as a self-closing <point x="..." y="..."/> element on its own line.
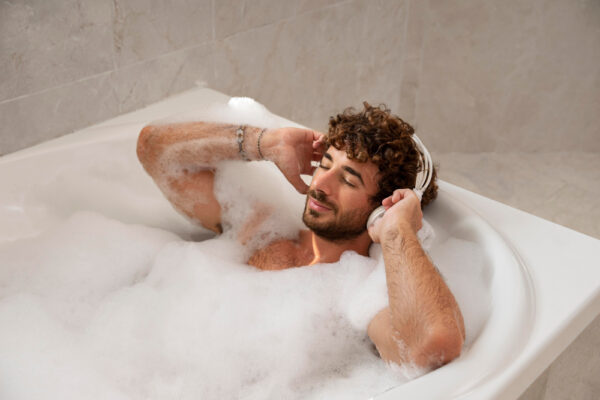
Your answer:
<point x="344" y="227"/>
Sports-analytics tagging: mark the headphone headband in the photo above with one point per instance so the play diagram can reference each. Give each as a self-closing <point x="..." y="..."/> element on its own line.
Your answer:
<point x="424" y="176"/>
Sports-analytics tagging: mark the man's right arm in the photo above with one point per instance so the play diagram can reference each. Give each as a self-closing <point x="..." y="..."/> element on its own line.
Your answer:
<point x="181" y="158"/>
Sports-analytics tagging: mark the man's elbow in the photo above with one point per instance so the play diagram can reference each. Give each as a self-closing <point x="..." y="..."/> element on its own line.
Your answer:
<point x="440" y="347"/>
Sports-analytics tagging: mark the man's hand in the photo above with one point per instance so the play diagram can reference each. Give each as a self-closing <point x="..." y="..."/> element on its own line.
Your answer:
<point x="292" y="150"/>
<point x="403" y="210"/>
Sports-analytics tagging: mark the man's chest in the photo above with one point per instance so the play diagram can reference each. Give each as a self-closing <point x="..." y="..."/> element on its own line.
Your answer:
<point x="281" y="254"/>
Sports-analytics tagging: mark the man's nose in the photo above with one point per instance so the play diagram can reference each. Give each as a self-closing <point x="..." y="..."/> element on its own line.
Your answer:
<point x="322" y="182"/>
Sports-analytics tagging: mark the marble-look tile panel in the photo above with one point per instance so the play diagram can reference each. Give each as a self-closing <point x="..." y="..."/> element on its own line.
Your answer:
<point x="558" y="186"/>
<point x="233" y="16"/>
<point x="494" y="77"/>
<point x="45" y="44"/>
<point x="313" y="66"/>
<point x="144" y="30"/>
<point x="537" y="389"/>
<point x="144" y="83"/>
<point x="45" y="115"/>
<point x="328" y="51"/>
<point x="470" y="48"/>
<point x="380" y="55"/>
<point x="248" y="64"/>
<point x="568" y="84"/>
<point x="416" y="14"/>
<point x="303" y="6"/>
<point x="574" y="374"/>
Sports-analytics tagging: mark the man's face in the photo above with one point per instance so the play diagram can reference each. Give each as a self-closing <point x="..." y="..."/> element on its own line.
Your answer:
<point x="338" y="202"/>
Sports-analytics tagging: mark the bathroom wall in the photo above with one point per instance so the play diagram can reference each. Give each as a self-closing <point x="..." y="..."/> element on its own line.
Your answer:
<point x="472" y="76"/>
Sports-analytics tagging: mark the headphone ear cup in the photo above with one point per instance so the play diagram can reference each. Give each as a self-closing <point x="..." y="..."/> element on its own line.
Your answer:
<point x="375" y="215"/>
<point x="424" y="176"/>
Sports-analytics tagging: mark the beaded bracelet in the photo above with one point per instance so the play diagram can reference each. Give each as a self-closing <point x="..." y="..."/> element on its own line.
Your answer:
<point x="240" y="141"/>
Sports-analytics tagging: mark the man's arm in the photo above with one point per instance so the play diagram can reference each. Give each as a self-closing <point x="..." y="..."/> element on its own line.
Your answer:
<point x="423" y="325"/>
<point x="181" y="158"/>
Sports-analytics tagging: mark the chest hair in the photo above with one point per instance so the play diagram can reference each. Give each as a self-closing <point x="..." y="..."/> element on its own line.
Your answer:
<point x="281" y="254"/>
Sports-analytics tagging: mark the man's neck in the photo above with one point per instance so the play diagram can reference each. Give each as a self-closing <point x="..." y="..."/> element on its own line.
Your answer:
<point x="326" y="251"/>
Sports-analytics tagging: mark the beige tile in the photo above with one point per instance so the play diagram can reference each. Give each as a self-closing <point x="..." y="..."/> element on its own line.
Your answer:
<point x="145" y="30"/>
<point x="248" y="64"/>
<point x="233" y="16"/>
<point x="144" y="83"/>
<point x="561" y="187"/>
<point x="413" y="37"/>
<point x="303" y="6"/>
<point x="380" y="56"/>
<point x="464" y="63"/>
<point x="51" y="113"/>
<point x="48" y="114"/>
<point x="521" y="75"/>
<point x="537" y="389"/>
<point x="313" y="66"/>
<point x="45" y="44"/>
<point x="575" y="373"/>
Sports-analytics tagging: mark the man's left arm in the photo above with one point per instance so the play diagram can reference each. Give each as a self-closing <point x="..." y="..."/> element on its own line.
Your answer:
<point x="423" y="325"/>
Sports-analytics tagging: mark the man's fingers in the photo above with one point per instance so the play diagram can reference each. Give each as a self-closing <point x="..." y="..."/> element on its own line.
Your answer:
<point x="387" y="202"/>
<point x="397" y="196"/>
<point x="400" y="194"/>
<point x="318" y="136"/>
<point x="318" y="141"/>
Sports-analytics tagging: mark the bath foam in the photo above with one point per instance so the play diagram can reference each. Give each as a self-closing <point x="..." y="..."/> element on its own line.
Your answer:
<point x="172" y="319"/>
<point x="177" y="319"/>
<point x="78" y="262"/>
<point x="243" y="187"/>
<point x="125" y="311"/>
<point x="239" y="110"/>
<point x="137" y="312"/>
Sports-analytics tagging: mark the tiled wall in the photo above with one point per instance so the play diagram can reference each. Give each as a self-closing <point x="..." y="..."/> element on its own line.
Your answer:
<point x="471" y="75"/>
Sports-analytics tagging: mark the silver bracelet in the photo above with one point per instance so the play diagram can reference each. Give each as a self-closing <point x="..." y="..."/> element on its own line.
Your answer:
<point x="241" y="131"/>
<point x="260" y="154"/>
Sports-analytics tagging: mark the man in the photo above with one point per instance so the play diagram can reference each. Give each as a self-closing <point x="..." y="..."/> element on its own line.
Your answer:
<point x="367" y="159"/>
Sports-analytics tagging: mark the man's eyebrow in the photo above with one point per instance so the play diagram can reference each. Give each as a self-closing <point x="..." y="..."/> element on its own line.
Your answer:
<point x="350" y="170"/>
<point x="353" y="172"/>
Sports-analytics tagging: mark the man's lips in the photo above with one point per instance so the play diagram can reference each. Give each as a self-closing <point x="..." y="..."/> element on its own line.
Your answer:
<point x="317" y="206"/>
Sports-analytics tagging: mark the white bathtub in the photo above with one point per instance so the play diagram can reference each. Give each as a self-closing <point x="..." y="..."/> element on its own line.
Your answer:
<point x="543" y="279"/>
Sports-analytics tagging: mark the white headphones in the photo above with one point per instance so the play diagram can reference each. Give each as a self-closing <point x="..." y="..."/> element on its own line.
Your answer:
<point x="422" y="182"/>
<point x="424" y="176"/>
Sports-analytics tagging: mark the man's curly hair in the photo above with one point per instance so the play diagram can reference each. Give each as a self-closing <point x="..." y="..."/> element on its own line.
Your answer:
<point x="376" y="135"/>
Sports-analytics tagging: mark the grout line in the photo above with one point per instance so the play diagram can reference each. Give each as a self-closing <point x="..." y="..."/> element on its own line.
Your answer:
<point x="56" y="87"/>
<point x="214" y="22"/>
<point x="108" y="72"/>
<point x="213" y="40"/>
<point x="404" y="47"/>
<point x="423" y="41"/>
<point x="287" y="19"/>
